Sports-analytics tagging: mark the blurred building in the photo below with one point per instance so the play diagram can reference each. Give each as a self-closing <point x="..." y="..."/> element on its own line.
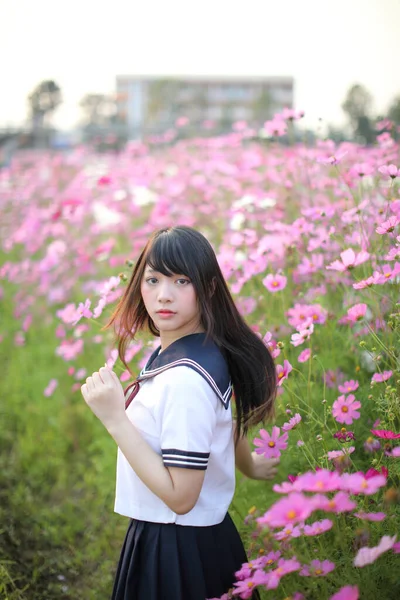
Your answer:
<point x="151" y="104"/>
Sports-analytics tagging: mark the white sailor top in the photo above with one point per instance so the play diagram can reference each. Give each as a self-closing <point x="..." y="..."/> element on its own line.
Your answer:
<point x="181" y="405"/>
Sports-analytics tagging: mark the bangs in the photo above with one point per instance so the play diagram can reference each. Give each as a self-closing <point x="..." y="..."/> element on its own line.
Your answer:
<point x="167" y="256"/>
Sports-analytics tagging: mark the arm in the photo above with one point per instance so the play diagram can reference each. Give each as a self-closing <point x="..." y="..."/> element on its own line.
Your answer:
<point x="254" y="466"/>
<point x="179" y="488"/>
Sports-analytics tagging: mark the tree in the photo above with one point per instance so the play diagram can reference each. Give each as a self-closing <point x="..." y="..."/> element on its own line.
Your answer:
<point x="99" y="110"/>
<point x="43" y="101"/>
<point x="357" y="105"/>
<point x="394" y="110"/>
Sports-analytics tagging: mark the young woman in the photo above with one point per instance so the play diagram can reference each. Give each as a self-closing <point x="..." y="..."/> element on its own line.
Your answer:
<point x="177" y="441"/>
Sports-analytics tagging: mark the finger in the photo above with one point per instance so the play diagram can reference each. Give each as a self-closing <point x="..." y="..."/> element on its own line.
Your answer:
<point x="84" y="390"/>
<point x="97" y="380"/>
<point x="106" y="374"/>
<point x="89" y="384"/>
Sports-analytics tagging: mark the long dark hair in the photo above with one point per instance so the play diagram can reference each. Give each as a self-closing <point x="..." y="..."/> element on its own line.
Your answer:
<point x="184" y="251"/>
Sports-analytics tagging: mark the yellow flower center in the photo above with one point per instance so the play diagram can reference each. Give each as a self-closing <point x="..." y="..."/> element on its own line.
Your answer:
<point x="271" y="444"/>
<point x="345" y="409"/>
<point x="291" y="514"/>
<point x="281" y="374"/>
<point x="250" y="584"/>
<point x="318" y="572"/>
<point x="274" y="284"/>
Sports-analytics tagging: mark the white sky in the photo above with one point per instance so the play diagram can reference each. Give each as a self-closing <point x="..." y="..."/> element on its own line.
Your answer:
<point x="83" y="45"/>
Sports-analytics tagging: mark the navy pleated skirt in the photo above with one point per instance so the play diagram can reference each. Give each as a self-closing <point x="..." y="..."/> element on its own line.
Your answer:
<point x="165" y="561"/>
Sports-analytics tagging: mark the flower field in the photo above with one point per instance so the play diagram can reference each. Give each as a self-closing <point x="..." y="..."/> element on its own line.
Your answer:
<point x="308" y="238"/>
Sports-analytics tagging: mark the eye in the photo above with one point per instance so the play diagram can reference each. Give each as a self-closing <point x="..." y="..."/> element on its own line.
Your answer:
<point x="182" y="282"/>
<point x="150" y="280"/>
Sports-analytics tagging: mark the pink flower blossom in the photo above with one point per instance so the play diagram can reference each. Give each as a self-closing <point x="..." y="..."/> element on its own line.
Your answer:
<point x="348" y="386"/>
<point x="357" y="483"/>
<point x="385" y="434"/>
<point x="292" y="423"/>
<point x="317" y="568"/>
<point x="275" y="283"/>
<point x="344" y="410"/>
<point x="348" y="592"/>
<point x="395" y="453"/>
<point x="389" y="171"/>
<point x="304" y="355"/>
<point x="332" y="160"/>
<point x="380" y="377"/>
<point x="290" y="531"/>
<point x="246" y="587"/>
<point x="302" y="336"/>
<point x="282" y="373"/>
<point x="366" y="556"/>
<point x="361" y="169"/>
<point x="53" y="383"/>
<point x="388" y="273"/>
<point x="320" y="481"/>
<point x="271" y="445"/>
<point x="388" y="226"/>
<point x="339" y="503"/>
<point x="318" y="527"/>
<point x="357" y="312"/>
<point x="284" y="567"/>
<point x="349" y="260"/>
<point x="294" y="508"/>
<point x="275" y="127"/>
<point x="378" y="516"/>
<point x="339" y="453"/>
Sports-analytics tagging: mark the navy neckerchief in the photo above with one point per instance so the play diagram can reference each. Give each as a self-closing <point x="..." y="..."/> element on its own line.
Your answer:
<point x="189" y="351"/>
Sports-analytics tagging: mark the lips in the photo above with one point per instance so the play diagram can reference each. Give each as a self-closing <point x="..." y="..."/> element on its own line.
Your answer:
<point x="165" y="312"/>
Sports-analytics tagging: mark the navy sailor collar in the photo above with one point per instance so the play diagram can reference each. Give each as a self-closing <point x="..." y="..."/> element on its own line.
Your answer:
<point x="197" y="353"/>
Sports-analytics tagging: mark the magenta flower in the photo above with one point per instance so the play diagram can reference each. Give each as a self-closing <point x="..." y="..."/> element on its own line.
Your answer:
<point x="275" y="127"/>
<point x="294" y="508"/>
<point x="380" y="377"/>
<point x="275" y="283"/>
<point x="51" y="386"/>
<point x="284" y="567"/>
<point x="317" y="568"/>
<point x="339" y="453"/>
<point x="318" y="527"/>
<point x="366" y="556"/>
<point x="357" y="312"/>
<point x="304" y="334"/>
<point x="386" y="434"/>
<point x="357" y="483"/>
<point x="371" y="445"/>
<point x="395" y="453"/>
<point x="320" y="481"/>
<point x="290" y="531"/>
<point x="344" y="410"/>
<point x="388" y="226"/>
<point x="292" y="423"/>
<point x="389" y="171"/>
<point x="282" y="373"/>
<point x="349" y="260"/>
<point x="304" y="355"/>
<point x="332" y="160"/>
<point x="379" y="516"/>
<point x="348" y="592"/>
<point x="348" y="386"/>
<point x="271" y="445"/>
<point x="339" y="503"/>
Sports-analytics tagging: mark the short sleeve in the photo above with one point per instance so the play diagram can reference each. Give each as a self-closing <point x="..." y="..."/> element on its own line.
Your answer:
<point x="187" y="418"/>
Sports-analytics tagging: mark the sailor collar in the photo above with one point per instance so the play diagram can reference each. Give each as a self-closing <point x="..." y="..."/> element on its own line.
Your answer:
<point x="195" y="352"/>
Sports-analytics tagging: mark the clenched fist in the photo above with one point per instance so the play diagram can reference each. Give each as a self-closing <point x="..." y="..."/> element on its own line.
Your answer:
<point x="104" y="395"/>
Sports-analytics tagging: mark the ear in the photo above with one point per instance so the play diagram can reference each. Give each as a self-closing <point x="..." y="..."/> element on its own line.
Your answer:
<point x="213" y="286"/>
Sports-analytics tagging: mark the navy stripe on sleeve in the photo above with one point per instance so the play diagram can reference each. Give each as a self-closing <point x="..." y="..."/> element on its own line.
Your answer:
<point x="185" y="459"/>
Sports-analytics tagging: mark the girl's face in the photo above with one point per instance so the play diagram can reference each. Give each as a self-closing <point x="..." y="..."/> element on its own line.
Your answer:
<point x="171" y="302"/>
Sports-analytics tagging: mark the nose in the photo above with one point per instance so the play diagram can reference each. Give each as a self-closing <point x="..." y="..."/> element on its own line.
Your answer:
<point x="164" y="292"/>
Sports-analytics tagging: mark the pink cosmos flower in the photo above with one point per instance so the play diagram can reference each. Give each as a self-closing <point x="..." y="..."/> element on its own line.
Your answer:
<point x="361" y="169"/>
<point x="271" y="445"/>
<point x="372" y="472"/>
<point x="282" y="373"/>
<point x="290" y="531"/>
<point x="339" y="503"/>
<point x="388" y="273"/>
<point x="357" y="312"/>
<point x="304" y="355"/>
<point x="348" y="386"/>
<point x="344" y="410"/>
<point x="389" y="171"/>
<point x="271" y="344"/>
<point x="53" y="383"/>
<point x="349" y="260"/>
<point x="294" y="508"/>
<point x="317" y="568"/>
<point x="332" y="160"/>
<point x="388" y="226"/>
<point x="348" y="592"/>
<point x="379" y="516"/>
<point x="366" y="556"/>
<point x="275" y="283"/>
<point x="318" y="527"/>
<point x="395" y="453"/>
<point x="303" y="335"/>
<point x="275" y="127"/>
<point x="396" y="548"/>
<point x="385" y="434"/>
<point x="339" y="453"/>
<point x="357" y="483"/>
<point x="292" y="423"/>
<point x="364" y="283"/>
<point x="380" y="377"/>
<point x="284" y="567"/>
<point x="246" y="587"/>
<point x="320" y="481"/>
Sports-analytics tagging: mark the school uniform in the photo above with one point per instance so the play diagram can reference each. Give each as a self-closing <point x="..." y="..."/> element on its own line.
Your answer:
<point x="181" y="405"/>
